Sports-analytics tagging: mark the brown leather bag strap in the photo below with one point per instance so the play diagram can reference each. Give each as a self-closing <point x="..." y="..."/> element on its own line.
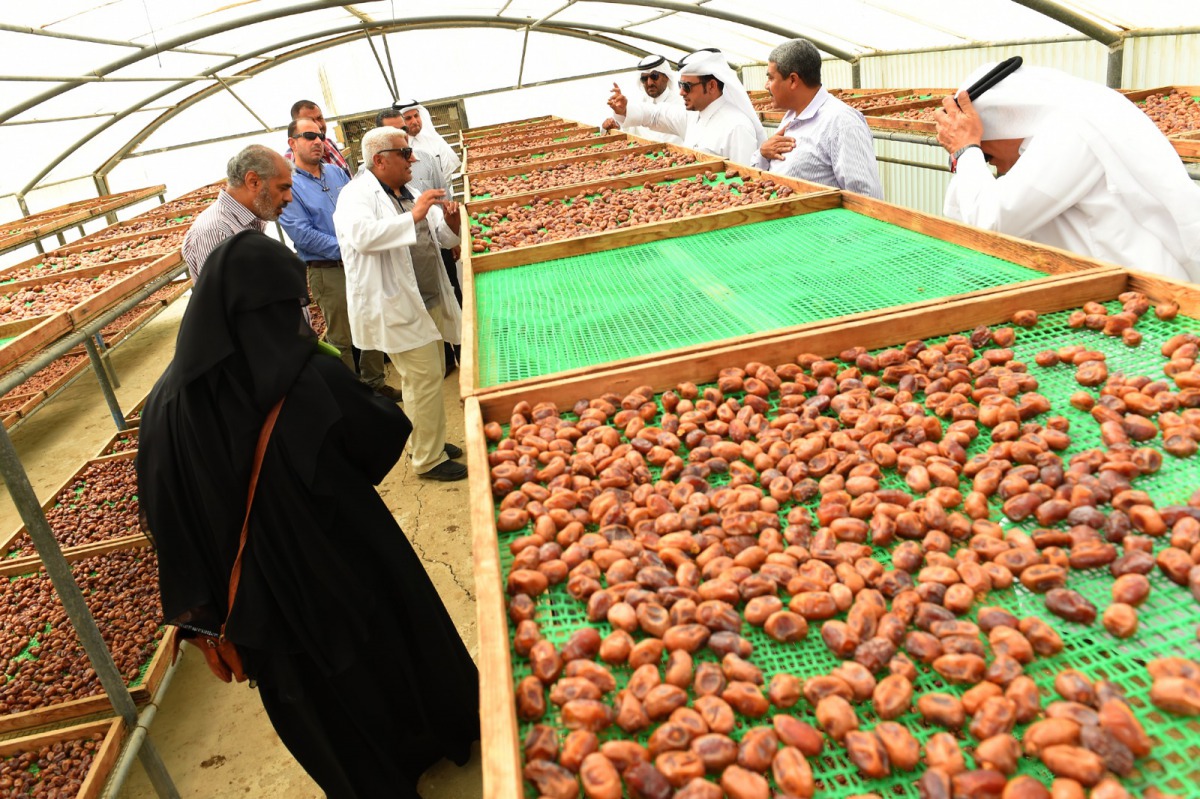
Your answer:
<point x="260" y="451"/>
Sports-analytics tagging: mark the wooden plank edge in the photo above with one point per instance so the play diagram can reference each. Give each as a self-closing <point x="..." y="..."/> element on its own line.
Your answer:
<point x="655" y="231"/>
<point x="103" y="762"/>
<point x="98" y="302"/>
<point x="884" y="330"/>
<point x="15" y="567"/>
<point x="500" y="743"/>
<point x="51" y="328"/>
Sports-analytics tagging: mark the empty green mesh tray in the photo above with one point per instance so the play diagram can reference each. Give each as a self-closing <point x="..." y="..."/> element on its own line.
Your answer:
<point x="591" y="309"/>
<point x="1167" y="620"/>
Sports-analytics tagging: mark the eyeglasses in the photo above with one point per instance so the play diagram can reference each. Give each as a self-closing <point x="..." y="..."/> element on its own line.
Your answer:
<point x="405" y="152"/>
<point x="687" y="87"/>
<point x="310" y="135"/>
<point x="652" y="77"/>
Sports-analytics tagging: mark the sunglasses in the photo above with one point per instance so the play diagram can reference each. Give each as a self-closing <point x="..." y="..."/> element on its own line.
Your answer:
<point x="310" y="135"/>
<point x="405" y="152"/>
<point x="687" y="87"/>
<point x="652" y="77"/>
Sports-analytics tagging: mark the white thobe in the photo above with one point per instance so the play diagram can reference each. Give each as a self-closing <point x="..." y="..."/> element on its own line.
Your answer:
<point x="668" y="97"/>
<point x="433" y="147"/>
<point x="719" y="130"/>
<point x="1058" y="193"/>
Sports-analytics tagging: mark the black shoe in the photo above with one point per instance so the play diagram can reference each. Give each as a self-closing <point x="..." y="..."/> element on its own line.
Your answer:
<point x="387" y="392"/>
<point x="453" y="451"/>
<point x="446" y="472"/>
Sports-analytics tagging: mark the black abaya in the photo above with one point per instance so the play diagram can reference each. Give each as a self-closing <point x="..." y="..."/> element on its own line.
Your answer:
<point x="359" y="666"/>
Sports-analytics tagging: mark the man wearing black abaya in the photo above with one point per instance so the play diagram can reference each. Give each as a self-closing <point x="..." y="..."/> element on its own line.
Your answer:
<point x="360" y="668"/>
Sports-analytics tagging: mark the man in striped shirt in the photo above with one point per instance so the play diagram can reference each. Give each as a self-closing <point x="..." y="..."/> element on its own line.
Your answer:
<point x="821" y="139"/>
<point x="307" y="109"/>
<point x="259" y="186"/>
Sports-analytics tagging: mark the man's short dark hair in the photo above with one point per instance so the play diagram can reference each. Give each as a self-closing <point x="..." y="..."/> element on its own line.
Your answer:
<point x="388" y="113"/>
<point x="301" y="105"/>
<point x="799" y="57"/>
<point x="292" y="126"/>
<point x="707" y="78"/>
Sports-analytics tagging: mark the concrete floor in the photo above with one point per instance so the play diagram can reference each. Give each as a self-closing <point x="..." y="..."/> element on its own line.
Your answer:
<point x="215" y="738"/>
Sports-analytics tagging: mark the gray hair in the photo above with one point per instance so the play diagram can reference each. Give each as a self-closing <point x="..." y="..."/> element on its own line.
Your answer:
<point x="257" y="158"/>
<point x="380" y="139"/>
<point x="801" y="57"/>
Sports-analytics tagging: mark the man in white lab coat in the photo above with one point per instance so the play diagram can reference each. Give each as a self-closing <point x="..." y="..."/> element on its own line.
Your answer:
<point x="657" y="81"/>
<point x="1080" y="167"/>
<point x="399" y="298"/>
<point x="725" y="125"/>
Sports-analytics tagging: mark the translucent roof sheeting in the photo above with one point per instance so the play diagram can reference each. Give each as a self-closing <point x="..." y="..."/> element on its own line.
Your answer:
<point x="140" y="75"/>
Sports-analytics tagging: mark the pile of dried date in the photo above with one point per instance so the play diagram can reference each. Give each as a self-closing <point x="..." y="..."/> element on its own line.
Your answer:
<point x="678" y="566"/>
<point x="121" y="589"/>
<point x="480" y="164"/>
<point x="553" y="220"/>
<point x="512" y="143"/>
<point x="566" y="174"/>
<point x="53" y="770"/>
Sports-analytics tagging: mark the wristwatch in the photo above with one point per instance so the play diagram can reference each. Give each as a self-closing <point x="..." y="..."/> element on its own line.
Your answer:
<point x="959" y="154"/>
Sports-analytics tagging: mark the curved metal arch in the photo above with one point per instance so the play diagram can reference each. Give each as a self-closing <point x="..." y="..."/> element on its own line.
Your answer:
<point x="352" y="33"/>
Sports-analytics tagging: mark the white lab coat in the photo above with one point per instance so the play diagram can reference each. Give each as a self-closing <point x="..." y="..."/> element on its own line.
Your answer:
<point x="382" y="296"/>
<point x="721" y="129"/>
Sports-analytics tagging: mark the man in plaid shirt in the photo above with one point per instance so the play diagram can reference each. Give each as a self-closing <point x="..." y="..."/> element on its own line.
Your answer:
<point x="307" y="109"/>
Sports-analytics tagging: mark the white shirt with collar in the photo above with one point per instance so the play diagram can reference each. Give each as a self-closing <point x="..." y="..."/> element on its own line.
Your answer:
<point x="382" y="296"/>
<point x="720" y="129"/>
<point x="668" y="97"/>
<point x="833" y="147"/>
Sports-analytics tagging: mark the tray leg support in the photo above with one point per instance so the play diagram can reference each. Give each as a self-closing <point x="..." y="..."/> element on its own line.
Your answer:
<point x="23" y="496"/>
<point x="105" y="385"/>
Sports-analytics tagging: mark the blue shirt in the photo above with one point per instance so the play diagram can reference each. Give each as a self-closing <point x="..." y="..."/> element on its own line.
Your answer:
<point x="308" y="218"/>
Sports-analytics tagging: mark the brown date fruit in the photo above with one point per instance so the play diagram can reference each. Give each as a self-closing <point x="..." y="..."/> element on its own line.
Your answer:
<point x="943" y="753"/>
<point x="892" y="697"/>
<point x="903" y="750"/>
<point x="1049" y="732"/>
<point x="793" y="775"/>
<point x="739" y="783"/>
<point x="941" y="709"/>
<point x="757" y="749"/>
<point x="836" y="717"/>
<point x="1120" y="620"/>
<point x="746" y="698"/>
<point x="784" y="690"/>
<point x="1117" y="757"/>
<point x="680" y="767"/>
<point x="541" y="743"/>
<point x="587" y="714"/>
<point x="1000" y="752"/>
<point x="716" y="751"/>
<point x="599" y="777"/>
<point x="531" y="699"/>
<point x="1074" y="686"/>
<point x="799" y="734"/>
<point x="552" y="780"/>
<point x="996" y="716"/>
<point x="1025" y="787"/>
<point x="644" y="781"/>
<point x="717" y="713"/>
<point x="576" y="747"/>
<point x="1074" y="763"/>
<point x="1066" y="603"/>
<point x="868" y="754"/>
<point x="1176" y="695"/>
<point x="979" y="784"/>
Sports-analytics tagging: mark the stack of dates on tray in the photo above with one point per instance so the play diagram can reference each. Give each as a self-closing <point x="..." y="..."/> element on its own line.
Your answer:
<point x="687" y="524"/>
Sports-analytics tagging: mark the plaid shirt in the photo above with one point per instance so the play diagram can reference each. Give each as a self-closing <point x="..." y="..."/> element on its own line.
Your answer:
<point x="332" y="155"/>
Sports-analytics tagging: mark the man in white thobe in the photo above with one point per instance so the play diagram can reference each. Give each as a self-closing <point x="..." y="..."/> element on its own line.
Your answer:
<point x="397" y="293"/>
<point x="725" y="123"/>
<point x="658" y="88"/>
<point x="821" y="139"/>
<point x="429" y="144"/>
<point x="1080" y="167"/>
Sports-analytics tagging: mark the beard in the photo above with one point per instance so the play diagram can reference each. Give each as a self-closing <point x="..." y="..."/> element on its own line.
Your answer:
<point x="263" y="208"/>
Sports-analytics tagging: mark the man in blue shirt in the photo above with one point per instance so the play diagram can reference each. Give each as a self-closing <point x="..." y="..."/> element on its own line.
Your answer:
<point x="308" y="221"/>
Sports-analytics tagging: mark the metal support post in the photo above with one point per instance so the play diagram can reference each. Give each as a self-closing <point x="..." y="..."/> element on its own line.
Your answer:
<point x="856" y="74"/>
<point x="105" y="386"/>
<point x="386" y="81"/>
<point x="102" y="189"/>
<point x="62" y="240"/>
<point x="106" y="359"/>
<point x="59" y="571"/>
<point x="1116" y="65"/>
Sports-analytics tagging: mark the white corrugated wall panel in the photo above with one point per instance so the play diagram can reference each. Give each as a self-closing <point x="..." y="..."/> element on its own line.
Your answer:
<point x="911" y="186"/>
<point x="947" y="68"/>
<point x="1152" y="61"/>
<point x="754" y="77"/>
<point x="836" y="74"/>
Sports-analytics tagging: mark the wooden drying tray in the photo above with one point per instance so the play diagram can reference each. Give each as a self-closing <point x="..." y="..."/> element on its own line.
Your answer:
<point x="1187" y="144"/>
<point x="596" y="136"/>
<point x="537" y="166"/>
<point x="116" y="438"/>
<point x="76" y="213"/>
<point x="556" y="150"/>
<point x="133" y="417"/>
<point x="193" y="210"/>
<point x="547" y="129"/>
<point x="485" y="130"/>
<point x="707" y="163"/>
<point x="91" y="242"/>
<point x="807" y="197"/>
<point x="1055" y="263"/>
<point x="160" y="661"/>
<point x="103" y="760"/>
<point x="149" y="309"/>
<point x="86" y="245"/>
<point x="11" y="567"/>
<point x="502" y="777"/>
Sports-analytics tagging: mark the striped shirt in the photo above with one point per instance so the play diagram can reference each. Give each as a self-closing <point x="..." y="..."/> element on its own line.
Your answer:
<point x="833" y="147"/>
<point x="219" y="221"/>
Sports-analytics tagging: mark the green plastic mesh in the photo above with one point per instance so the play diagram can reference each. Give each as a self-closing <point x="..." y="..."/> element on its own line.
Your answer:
<point x="591" y="309"/>
<point x="1168" y="619"/>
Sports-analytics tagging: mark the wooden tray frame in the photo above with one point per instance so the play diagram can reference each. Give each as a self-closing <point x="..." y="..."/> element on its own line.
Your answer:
<point x="606" y="138"/>
<point x="103" y="761"/>
<point x="807" y="197"/>
<point x="33" y="333"/>
<point x="78" y="708"/>
<point x="516" y="123"/>
<point x="524" y="132"/>
<point x="67" y="216"/>
<point x="704" y="158"/>
<point x="502" y="778"/>
<point x="529" y="135"/>
<point x="81" y="247"/>
<point x="113" y="439"/>
<point x="1055" y="263"/>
